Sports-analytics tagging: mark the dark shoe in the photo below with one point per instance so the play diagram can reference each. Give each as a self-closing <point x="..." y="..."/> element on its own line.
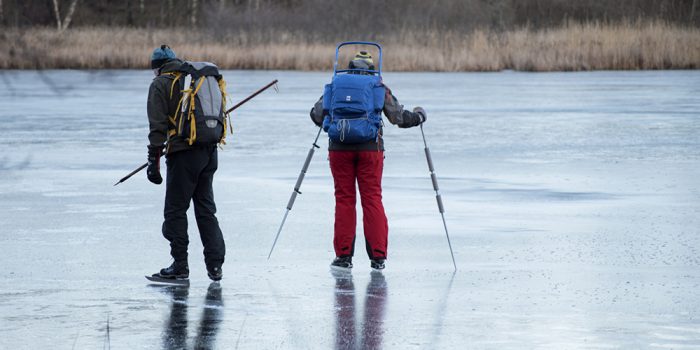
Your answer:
<point x="215" y="273"/>
<point x="377" y="264"/>
<point x="174" y="271"/>
<point x="344" y="263"/>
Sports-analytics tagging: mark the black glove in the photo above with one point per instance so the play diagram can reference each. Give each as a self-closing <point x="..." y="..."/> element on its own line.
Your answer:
<point x="421" y="114"/>
<point x="153" y="170"/>
<point x="312" y="113"/>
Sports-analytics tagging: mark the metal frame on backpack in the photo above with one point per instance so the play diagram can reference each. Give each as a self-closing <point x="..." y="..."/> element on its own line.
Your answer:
<point x="337" y="51"/>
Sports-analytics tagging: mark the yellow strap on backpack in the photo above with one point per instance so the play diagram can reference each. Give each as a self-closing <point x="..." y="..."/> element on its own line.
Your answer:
<point x="191" y="117"/>
<point x="177" y="118"/>
<point x="224" y="96"/>
<point x="172" y="86"/>
<point x="173" y="119"/>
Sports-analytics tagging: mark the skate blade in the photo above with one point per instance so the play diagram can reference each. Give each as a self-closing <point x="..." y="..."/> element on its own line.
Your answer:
<point x="170" y="281"/>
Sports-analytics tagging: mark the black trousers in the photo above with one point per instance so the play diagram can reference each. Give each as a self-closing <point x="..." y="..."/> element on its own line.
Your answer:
<point x="189" y="178"/>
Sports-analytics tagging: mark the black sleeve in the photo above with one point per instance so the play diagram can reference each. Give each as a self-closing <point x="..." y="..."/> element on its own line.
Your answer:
<point x="157" y="109"/>
<point x="396" y="114"/>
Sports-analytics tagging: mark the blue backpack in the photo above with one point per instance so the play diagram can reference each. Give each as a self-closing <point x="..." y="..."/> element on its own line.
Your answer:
<point x="353" y="103"/>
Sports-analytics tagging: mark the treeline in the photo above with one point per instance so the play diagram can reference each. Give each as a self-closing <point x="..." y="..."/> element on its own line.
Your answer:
<point x="336" y="18"/>
<point x="418" y="35"/>
<point x="571" y="47"/>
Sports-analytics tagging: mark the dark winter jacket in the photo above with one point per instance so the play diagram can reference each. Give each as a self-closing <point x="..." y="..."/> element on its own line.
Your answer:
<point x="163" y="98"/>
<point x="392" y="110"/>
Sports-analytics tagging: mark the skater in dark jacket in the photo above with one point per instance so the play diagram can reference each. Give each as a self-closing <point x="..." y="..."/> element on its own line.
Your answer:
<point x="362" y="163"/>
<point x="190" y="172"/>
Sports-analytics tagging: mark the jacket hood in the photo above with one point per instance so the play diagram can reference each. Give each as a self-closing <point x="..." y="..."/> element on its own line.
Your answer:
<point x="172" y="65"/>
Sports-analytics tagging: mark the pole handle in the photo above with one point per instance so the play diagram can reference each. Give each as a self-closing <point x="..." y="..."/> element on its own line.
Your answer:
<point x="430" y="159"/>
<point x="433" y="177"/>
<point x="438" y="197"/>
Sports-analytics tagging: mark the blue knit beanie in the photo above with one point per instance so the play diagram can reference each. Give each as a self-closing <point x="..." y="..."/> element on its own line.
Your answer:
<point x="161" y="55"/>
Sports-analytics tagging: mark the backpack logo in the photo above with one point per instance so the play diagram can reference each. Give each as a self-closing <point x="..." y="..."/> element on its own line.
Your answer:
<point x="348" y="98"/>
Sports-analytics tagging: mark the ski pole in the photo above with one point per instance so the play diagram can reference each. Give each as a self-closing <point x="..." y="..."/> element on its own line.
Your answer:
<point x="227" y="112"/>
<point x="296" y="189"/>
<point x="131" y="174"/>
<point x="433" y="177"/>
<point x="252" y="95"/>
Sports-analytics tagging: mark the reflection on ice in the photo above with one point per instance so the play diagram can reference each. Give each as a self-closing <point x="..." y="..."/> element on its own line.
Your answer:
<point x="175" y="330"/>
<point x="572" y="201"/>
<point x="346" y="335"/>
<point x="212" y="315"/>
<point x="344" y="292"/>
<point x="440" y="311"/>
<point x="175" y="334"/>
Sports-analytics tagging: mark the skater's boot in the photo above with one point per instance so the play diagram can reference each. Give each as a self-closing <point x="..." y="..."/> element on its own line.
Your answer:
<point x="377" y="264"/>
<point x="174" y="271"/>
<point x="215" y="273"/>
<point x="343" y="263"/>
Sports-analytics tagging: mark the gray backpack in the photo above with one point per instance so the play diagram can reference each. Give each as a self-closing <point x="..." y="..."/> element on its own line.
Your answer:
<point x="201" y="117"/>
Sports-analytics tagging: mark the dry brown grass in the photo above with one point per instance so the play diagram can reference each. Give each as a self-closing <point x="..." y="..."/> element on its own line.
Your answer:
<point x="575" y="46"/>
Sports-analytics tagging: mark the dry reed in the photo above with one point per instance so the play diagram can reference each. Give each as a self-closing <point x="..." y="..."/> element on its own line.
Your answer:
<point x="572" y="47"/>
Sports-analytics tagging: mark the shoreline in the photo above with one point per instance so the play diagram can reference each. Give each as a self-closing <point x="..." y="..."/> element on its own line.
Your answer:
<point x="572" y="47"/>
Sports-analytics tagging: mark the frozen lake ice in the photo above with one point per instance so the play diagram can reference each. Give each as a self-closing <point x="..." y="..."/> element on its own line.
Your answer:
<point x="572" y="200"/>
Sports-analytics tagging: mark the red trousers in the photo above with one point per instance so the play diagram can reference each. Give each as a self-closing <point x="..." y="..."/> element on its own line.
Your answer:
<point x="365" y="168"/>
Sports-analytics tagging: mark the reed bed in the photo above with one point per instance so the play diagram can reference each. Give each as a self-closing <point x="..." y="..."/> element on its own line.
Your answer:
<point x="570" y="47"/>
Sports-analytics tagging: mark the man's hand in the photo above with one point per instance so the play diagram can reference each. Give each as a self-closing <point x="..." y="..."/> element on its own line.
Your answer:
<point x="421" y="113"/>
<point x="153" y="170"/>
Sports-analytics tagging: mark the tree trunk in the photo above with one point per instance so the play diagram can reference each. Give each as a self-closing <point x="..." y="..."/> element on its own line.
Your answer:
<point x="193" y="19"/>
<point x="2" y="16"/>
<point x="69" y="16"/>
<point x="58" y="15"/>
<point x="692" y="10"/>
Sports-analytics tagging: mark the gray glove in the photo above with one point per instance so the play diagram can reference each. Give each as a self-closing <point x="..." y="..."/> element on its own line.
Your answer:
<point x="421" y="113"/>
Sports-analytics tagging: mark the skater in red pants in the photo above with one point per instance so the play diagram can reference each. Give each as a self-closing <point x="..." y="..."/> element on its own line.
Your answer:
<point x="357" y="155"/>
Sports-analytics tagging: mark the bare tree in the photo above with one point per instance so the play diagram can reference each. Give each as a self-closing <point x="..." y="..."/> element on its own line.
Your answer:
<point x="69" y="16"/>
<point x="62" y="25"/>
<point x="2" y="17"/>
<point x="692" y="10"/>
<point x="193" y="18"/>
<point x="58" y="15"/>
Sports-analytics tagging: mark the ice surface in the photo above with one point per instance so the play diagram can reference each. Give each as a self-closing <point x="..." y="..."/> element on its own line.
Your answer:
<point x="572" y="200"/>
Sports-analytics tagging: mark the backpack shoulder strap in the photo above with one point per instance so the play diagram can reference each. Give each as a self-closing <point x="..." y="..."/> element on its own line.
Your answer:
<point x="177" y="76"/>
